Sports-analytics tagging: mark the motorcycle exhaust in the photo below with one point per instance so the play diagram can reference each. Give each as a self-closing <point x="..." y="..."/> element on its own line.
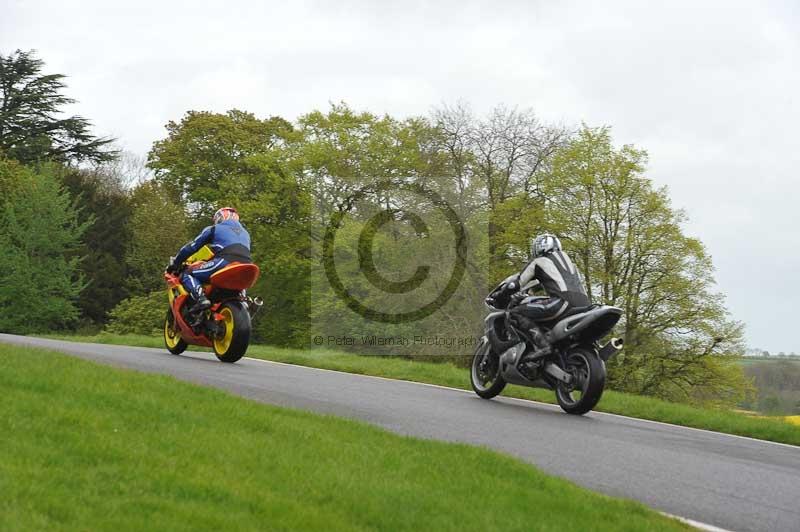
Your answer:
<point x="254" y="304"/>
<point x="610" y="349"/>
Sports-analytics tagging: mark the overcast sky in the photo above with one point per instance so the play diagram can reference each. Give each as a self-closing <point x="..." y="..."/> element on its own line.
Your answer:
<point x="709" y="89"/>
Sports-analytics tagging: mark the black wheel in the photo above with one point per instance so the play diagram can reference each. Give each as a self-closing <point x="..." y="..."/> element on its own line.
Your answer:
<point x="588" y="381"/>
<point x="172" y="338"/>
<point x="231" y="342"/>
<point x="485" y="373"/>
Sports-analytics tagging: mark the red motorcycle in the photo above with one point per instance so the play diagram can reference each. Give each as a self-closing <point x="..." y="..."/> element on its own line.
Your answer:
<point x="226" y="325"/>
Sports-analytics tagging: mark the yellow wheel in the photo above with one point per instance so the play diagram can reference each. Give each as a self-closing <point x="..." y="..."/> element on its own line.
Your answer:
<point x="233" y="337"/>
<point x="172" y="338"/>
<point x="223" y="342"/>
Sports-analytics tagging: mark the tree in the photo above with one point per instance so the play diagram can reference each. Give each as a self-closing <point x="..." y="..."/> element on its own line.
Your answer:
<point x="158" y="227"/>
<point x="204" y="149"/>
<point x="39" y="236"/>
<point x="127" y="170"/>
<point x="30" y="127"/>
<point x="344" y="151"/>
<point x="101" y="199"/>
<point x="502" y="156"/>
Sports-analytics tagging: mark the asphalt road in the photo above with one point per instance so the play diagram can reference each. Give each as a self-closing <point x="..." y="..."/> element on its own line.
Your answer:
<point x="727" y="481"/>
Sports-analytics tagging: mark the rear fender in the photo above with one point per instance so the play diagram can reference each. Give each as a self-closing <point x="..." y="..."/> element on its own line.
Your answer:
<point x="598" y="321"/>
<point x="236" y="276"/>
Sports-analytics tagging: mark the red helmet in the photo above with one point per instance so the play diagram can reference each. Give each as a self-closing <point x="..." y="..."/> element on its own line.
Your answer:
<point x="225" y="213"/>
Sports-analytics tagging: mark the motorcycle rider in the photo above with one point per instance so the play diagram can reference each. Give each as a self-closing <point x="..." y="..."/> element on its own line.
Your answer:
<point x="559" y="278"/>
<point x="228" y="240"/>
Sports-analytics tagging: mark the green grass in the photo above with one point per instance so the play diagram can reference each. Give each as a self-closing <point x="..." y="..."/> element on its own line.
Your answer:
<point x="773" y="429"/>
<point x="88" y="447"/>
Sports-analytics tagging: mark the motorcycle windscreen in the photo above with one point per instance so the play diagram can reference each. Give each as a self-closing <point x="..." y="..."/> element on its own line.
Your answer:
<point x="236" y="276"/>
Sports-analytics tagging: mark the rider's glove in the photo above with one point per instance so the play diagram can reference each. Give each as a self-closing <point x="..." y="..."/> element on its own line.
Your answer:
<point x="516" y="299"/>
<point x="172" y="268"/>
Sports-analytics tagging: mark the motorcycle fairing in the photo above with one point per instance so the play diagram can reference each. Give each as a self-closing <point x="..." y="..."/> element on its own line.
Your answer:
<point x="178" y="297"/>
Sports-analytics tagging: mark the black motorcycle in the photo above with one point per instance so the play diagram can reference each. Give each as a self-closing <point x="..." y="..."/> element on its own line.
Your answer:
<point x="571" y="362"/>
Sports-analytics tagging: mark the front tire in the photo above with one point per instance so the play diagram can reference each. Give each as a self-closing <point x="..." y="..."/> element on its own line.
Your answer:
<point x="485" y="372"/>
<point x="589" y="379"/>
<point x="172" y="338"/>
<point x="231" y="343"/>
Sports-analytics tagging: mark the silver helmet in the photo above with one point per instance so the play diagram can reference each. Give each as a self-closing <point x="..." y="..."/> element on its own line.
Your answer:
<point x="544" y="244"/>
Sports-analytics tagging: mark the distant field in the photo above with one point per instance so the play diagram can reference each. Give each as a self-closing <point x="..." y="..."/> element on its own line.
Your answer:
<point x="777" y="380"/>
<point x="88" y="447"/>
<point x="766" y="428"/>
<point x="754" y="360"/>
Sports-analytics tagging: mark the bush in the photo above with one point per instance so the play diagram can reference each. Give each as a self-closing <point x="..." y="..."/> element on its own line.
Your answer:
<point x="139" y="314"/>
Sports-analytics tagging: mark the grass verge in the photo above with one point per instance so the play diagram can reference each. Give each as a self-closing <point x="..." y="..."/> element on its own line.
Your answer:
<point x="88" y="447"/>
<point x="772" y="429"/>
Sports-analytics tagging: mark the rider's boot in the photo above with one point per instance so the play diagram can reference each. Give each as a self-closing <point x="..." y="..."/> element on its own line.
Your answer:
<point x="196" y="311"/>
<point x="202" y="303"/>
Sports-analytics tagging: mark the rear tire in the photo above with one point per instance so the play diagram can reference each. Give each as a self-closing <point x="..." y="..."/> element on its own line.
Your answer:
<point x="485" y="375"/>
<point x="172" y="338"/>
<point x="590" y="374"/>
<point x="232" y="343"/>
